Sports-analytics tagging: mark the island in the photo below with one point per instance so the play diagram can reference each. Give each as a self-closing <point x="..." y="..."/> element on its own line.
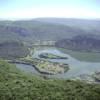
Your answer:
<point x="44" y="66"/>
<point x="52" y="68"/>
<point x="51" y="56"/>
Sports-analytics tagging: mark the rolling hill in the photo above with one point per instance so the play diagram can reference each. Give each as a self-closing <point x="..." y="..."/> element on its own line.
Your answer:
<point x="47" y="29"/>
<point x="88" y="43"/>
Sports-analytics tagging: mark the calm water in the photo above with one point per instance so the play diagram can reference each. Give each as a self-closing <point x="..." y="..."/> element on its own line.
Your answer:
<point x="76" y="67"/>
<point x="27" y="68"/>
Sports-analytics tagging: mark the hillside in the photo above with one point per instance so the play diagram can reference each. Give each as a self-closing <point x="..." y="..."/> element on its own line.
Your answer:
<point x="17" y="85"/>
<point x="89" y="43"/>
<point x="47" y="29"/>
<point x="13" y="49"/>
<point x="87" y="24"/>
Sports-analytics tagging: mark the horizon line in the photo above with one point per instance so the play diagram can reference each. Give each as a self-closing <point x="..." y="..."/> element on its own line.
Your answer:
<point x="19" y="19"/>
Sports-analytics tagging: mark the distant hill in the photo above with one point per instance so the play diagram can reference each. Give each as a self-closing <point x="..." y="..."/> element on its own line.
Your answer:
<point x="13" y="49"/>
<point x="87" y="42"/>
<point x="80" y="23"/>
<point x="47" y="29"/>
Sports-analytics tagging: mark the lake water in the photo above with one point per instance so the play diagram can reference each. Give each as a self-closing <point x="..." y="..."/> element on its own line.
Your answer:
<point x="77" y="67"/>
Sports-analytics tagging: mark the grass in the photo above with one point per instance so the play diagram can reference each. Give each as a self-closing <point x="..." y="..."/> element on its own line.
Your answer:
<point x="17" y="85"/>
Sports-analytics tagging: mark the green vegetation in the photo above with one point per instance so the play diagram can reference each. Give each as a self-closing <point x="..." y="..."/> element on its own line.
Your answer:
<point x="82" y="43"/>
<point x="52" y="67"/>
<point x="44" y="66"/>
<point x="17" y="85"/>
<point x="13" y="50"/>
<point x="51" y="56"/>
<point x="27" y="31"/>
<point x="96" y="76"/>
<point x="58" y="29"/>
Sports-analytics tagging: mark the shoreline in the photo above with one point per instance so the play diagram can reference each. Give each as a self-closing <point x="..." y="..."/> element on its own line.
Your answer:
<point x="33" y="65"/>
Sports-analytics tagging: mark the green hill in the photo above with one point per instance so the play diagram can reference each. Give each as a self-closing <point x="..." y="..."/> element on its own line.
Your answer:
<point x="47" y="29"/>
<point x="86" y="43"/>
<point x="17" y="85"/>
<point x="13" y="49"/>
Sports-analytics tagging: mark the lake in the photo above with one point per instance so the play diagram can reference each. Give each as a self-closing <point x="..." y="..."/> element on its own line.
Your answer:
<point x="77" y="67"/>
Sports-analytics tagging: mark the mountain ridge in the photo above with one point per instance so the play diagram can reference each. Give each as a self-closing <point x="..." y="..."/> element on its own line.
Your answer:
<point x="35" y="29"/>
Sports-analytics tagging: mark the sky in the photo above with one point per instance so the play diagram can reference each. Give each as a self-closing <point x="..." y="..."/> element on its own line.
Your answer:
<point x="28" y="9"/>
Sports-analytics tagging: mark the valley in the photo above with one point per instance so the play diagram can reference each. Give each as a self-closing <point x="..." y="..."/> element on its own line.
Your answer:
<point x="50" y="55"/>
<point x="57" y="67"/>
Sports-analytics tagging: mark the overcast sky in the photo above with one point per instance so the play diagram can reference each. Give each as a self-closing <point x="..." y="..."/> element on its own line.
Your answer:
<point x="25" y="9"/>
